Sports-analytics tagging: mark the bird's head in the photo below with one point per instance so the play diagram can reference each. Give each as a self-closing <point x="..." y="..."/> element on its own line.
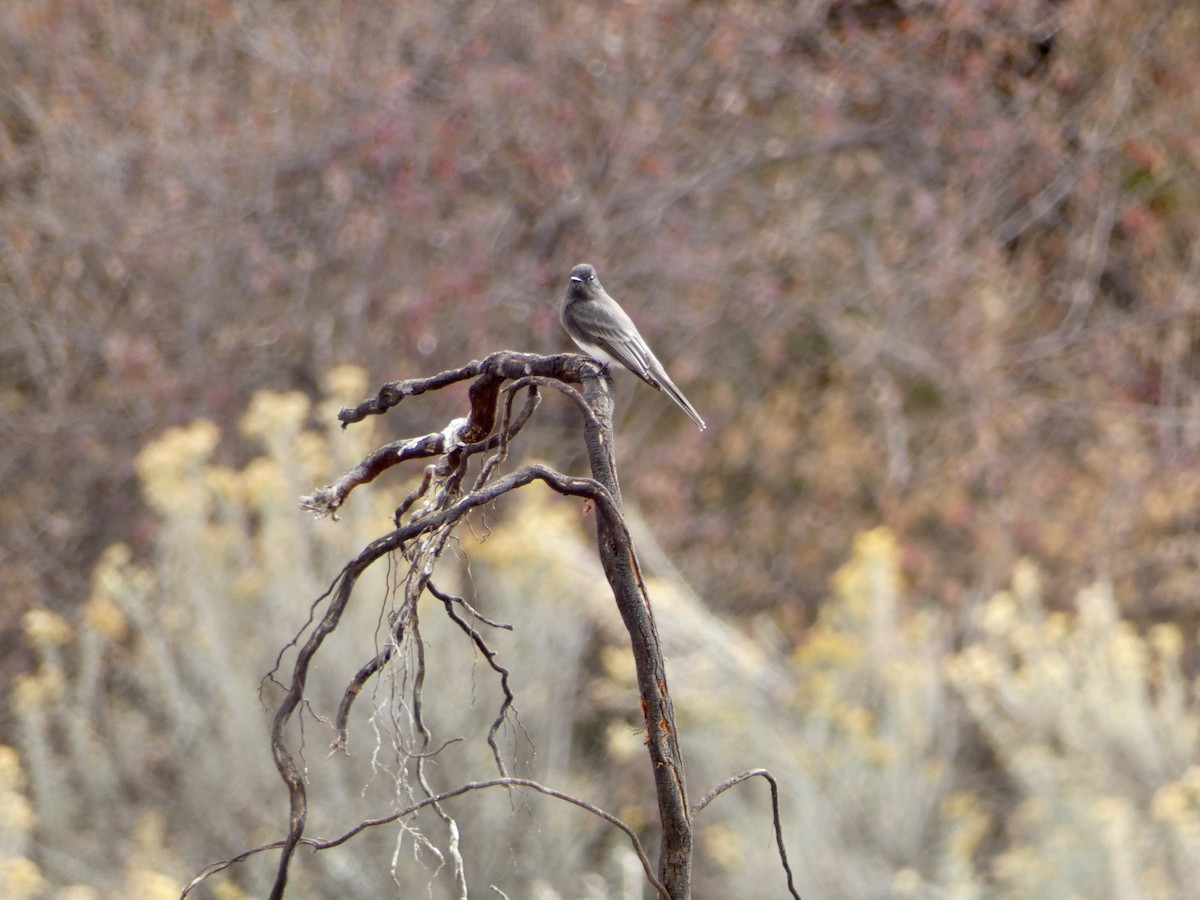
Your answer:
<point x="583" y="274"/>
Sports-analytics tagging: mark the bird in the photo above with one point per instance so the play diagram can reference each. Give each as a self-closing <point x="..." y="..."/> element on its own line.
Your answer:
<point x="606" y="333"/>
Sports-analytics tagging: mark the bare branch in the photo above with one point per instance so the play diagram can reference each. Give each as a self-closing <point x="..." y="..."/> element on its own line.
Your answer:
<point x="368" y="670"/>
<point x="421" y="535"/>
<point x="340" y="598"/>
<point x="318" y="845"/>
<point x="490" y="655"/>
<point x="498" y="367"/>
<point x="746" y="776"/>
<point x="329" y="499"/>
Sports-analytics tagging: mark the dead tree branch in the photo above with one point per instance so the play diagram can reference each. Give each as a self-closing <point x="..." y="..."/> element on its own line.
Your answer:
<point x="340" y="598"/>
<point x="424" y="524"/>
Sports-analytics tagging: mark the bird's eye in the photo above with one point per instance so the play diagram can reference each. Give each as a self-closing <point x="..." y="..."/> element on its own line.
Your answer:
<point x="591" y="278"/>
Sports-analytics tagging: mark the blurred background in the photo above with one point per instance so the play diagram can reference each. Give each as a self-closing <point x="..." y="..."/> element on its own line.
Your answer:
<point x="930" y="270"/>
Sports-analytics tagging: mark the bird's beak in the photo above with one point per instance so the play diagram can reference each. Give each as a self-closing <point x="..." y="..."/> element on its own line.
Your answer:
<point x="577" y="279"/>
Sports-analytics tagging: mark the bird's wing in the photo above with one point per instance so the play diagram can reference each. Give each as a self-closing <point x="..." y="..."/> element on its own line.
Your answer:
<point x="611" y="330"/>
<point x="651" y="371"/>
<point x="616" y="335"/>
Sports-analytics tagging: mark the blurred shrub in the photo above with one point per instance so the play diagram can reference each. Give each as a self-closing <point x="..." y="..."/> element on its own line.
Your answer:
<point x="1040" y="754"/>
<point x="1097" y="728"/>
<point x="143" y="720"/>
<point x="928" y="265"/>
<point x="20" y="877"/>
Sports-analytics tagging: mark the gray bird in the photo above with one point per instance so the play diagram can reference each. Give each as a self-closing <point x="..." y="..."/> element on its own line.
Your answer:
<point x="604" y="332"/>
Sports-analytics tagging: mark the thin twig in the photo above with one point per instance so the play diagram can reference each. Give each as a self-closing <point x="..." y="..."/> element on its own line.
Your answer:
<point x="318" y="845"/>
<point x="421" y="540"/>
<point x="369" y="669"/>
<point x="746" y="776"/>
<point x="344" y="585"/>
<point x="509" y="702"/>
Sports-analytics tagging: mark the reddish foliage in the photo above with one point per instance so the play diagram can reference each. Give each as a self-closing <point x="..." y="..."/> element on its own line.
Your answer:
<point x="931" y="265"/>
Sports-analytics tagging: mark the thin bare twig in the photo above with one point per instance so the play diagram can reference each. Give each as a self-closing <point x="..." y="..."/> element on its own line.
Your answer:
<point x="509" y="702"/>
<point x="746" y="776"/>
<point x="364" y="674"/>
<point x="318" y="845"/>
<point x="340" y="597"/>
<point x="420" y="537"/>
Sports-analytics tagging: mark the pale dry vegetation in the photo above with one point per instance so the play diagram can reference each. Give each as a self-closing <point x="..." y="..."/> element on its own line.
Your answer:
<point x="930" y="267"/>
<point x="1041" y="754"/>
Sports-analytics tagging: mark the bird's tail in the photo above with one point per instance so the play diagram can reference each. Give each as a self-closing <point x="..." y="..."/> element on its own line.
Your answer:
<point x="668" y="388"/>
